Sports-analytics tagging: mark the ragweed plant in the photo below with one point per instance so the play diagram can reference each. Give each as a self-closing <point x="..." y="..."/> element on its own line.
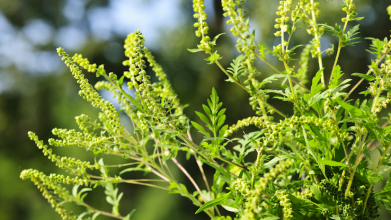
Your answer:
<point x="309" y="165"/>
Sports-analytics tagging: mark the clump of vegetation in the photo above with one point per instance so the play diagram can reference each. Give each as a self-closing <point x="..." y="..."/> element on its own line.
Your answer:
<point x="310" y="165"/>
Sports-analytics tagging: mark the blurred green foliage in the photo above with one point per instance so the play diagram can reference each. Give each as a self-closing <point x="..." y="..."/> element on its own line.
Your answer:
<point x="35" y="99"/>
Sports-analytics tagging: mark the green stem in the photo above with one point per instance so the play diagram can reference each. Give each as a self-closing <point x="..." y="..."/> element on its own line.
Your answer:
<point x="232" y="163"/>
<point x="355" y="164"/>
<point x="340" y="39"/>
<point x="317" y="38"/>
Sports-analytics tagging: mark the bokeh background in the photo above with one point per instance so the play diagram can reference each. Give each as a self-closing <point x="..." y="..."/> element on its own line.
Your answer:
<point x="38" y="93"/>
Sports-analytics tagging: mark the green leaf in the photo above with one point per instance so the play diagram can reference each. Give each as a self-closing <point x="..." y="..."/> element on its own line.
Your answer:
<point x="194" y="50"/>
<point x="129" y="215"/>
<point x="207" y="110"/>
<point x="215" y="38"/>
<point x="229" y="208"/>
<point x="271" y="218"/>
<point x="96" y="214"/>
<point x="354" y="111"/>
<point x="200" y="129"/>
<point x="332" y="163"/>
<point x="336" y="75"/>
<point x="132" y="169"/>
<point x="364" y="76"/>
<point x="221" y="121"/>
<point x="80" y="195"/>
<point x="121" y="81"/>
<point x="213" y="203"/>
<point x="315" y="87"/>
<point x="203" y="118"/>
<point x="74" y="190"/>
<point x="83" y="214"/>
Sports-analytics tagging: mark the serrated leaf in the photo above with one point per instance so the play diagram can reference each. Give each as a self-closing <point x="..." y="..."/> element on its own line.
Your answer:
<point x="236" y="68"/>
<point x="213" y="203"/>
<point x="332" y="163"/>
<point x="272" y="78"/>
<point x="364" y="76"/>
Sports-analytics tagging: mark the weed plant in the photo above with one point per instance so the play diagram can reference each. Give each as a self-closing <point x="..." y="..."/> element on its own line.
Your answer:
<point x="313" y="164"/>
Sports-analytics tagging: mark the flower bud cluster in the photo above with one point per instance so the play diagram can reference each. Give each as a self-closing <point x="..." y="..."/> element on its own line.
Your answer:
<point x="298" y="13"/>
<point x="90" y="94"/>
<point x="283" y="9"/>
<point x="257" y="121"/>
<point x="389" y="11"/>
<point x="121" y="98"/>
<point x="349" y="9"/>
<point x="83" y="62"/>
<point x="312" y="11"/>
<point x="240" y="186"/>
<point x="202" y="26"/>
<point x="153" y="113"/>
<point x="281" y="167"/>
<point x="304" y="60"/>
<point x="305" y="194"/>
<point x="69" y="164"/>
<point x="163" y="88"/>
<point x="251" y="209"/>
<point x="85" y="123"/>
<point x="274" y="132"/>
<point x="49" y="190"/>
<point x="68" y="180"/>
<point x="283" y="196"/>
<point x="241" y="29"/>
